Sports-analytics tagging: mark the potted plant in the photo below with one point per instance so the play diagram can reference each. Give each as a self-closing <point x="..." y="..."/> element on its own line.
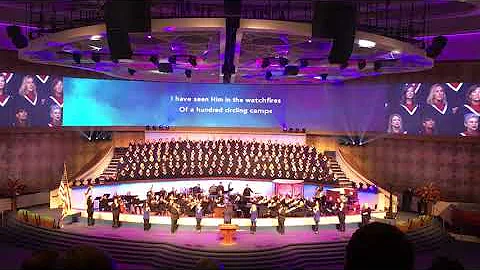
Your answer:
<point x="15" y="188"/>
<point x="429" y="194"/>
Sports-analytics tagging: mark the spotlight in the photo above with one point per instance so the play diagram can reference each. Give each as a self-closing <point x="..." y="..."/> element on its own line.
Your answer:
<point x="172" y="59"/>
<point x="285" y="129"/>
<point x="192" y="60"/>
<point x="188" y="73"/>
<point x="303" y="63"/>
<point x="265" y="62"/>
<point x="95" y="57"/>
<point x="324" y="76"/>
<point x="18" y="39"/>
<point x="268" y="75"/>
<point x="76" y="57"/>
<point x="154" y="60"/>
<point x="131" y="71"/>
<point x="377" y="66"/>
<point x="362" y="64"/>
<point x="283" y="61"/>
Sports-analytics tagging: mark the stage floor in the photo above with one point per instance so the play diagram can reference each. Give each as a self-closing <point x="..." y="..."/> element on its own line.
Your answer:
<point x="209" y="238"/>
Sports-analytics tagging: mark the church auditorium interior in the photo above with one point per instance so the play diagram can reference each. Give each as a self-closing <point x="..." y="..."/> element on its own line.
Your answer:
<point x="240" y="134"/>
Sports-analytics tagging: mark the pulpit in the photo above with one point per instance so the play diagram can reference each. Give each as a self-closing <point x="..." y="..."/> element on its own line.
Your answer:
<point x="228" y="231"/>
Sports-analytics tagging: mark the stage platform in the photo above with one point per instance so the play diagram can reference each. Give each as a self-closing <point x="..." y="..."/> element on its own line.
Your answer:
<point x="298" y="248"/>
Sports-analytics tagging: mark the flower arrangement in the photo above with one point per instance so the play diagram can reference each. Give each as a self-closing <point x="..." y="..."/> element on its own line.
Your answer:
<point x="428" y="193"/>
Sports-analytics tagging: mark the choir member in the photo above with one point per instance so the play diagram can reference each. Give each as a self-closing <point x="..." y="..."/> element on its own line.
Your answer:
<point x="409" y="109"/>
<point x="55" y="116"/>
<point x="21" y="118"/>
<point x="6" y="104"/>
<point x="30" y="100"/>
<point x="428" y="127"/>
<point x="56" y="97"/>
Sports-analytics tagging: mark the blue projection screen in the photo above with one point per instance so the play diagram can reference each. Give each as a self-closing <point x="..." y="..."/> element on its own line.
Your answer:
<point x="92" y="102"/>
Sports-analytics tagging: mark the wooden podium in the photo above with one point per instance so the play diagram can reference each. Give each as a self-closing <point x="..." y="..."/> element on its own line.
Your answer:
<point x="228" y="231"/>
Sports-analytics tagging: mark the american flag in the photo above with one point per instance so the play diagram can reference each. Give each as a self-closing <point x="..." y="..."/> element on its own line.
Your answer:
<point x="65" y="193"/>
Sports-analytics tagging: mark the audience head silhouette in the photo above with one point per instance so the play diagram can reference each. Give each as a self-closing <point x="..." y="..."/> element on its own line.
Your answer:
<point x="379" y="246"/>
<point x="87" y="257"/>
<point x="444" y="263"/>
<point x="42" y="260"/>
<point x="208" y="264"/>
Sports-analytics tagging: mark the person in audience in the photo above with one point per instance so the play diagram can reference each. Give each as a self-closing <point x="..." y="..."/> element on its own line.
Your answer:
<point x="253" y="218"/>
<point x="428" y="127"/>
<point x="199" y="216"/>
<point x="438" y="109"/>
<point x="316" y="216"/>
<point x="146" y="216"/>
<point x="87" y="257"/>
<point x="395" y="125"/>
<point x="30" y="100"/>
<point x="6" y="104"/>
<point x="386" y="243"/>
<point x="21" y="118"/>
<point x="41" y="260"/>
<point x="55" y="116"/>
<point x="366" y="214"/>
<point x="444" y="263"/>
<point x="116" y="213"/>
<point x="471" y="125"/>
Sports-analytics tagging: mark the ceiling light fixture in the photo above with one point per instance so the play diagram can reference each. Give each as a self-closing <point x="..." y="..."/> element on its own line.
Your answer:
<point x="364" y="43"/>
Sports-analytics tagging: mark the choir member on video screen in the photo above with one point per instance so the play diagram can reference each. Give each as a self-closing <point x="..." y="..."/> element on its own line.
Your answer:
<point x="30" y="100"/>
<point x="56" y="95"/>
<point x="438" y="109"/>
<point x="395" y="124"/>
<point x="428" y="127"/>
<point x="471" y="125"/>
<point x="409" y="108"/>
<point x="455" y="93"/>
<point x="55" y="116"/>
<point x="6" y="104"/>
<point x="21" y="118"/>
<point x="472" y="104"/>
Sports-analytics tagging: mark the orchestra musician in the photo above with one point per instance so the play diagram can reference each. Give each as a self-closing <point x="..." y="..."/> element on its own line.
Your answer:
<point x="116" y="213"/>
<point x="366" y="214"/>
<point x="253" y="218"/>
<point x="247" y="191"/>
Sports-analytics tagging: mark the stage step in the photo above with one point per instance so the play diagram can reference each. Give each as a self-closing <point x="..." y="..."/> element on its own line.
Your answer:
<point x="306" y="256"/>
<point x="111" y="170"/>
